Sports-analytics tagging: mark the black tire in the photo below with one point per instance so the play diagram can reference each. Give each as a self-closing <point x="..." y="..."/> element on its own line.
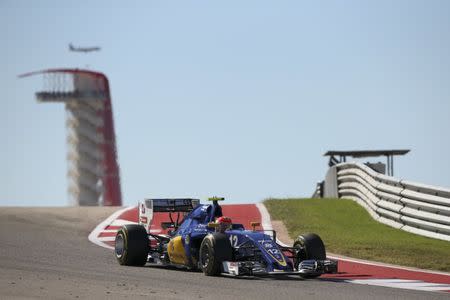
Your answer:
<point x="132" y="245"/>
<point x="215" y="249"/>
<point x="311" y="246"/>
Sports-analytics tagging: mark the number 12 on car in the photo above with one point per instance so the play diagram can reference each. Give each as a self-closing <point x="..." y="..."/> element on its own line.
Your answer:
<point x="234" y="240"/>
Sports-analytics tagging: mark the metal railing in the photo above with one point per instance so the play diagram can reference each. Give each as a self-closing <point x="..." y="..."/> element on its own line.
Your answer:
<point x="413" y="207"/>
<point x="318" y="192"/>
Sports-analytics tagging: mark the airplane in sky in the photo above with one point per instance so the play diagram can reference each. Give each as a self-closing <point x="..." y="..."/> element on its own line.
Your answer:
<point x="84" y="50"/>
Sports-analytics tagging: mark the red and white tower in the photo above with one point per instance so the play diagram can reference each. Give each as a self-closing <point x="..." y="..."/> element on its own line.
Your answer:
<point x="93" y="170"/>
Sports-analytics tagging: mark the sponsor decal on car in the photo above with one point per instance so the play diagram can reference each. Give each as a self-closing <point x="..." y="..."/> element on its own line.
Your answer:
<point x="273" y="251"/>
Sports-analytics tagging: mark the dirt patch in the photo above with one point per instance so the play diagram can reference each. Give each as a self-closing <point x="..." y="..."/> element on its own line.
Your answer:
<point x="282" y="233"/>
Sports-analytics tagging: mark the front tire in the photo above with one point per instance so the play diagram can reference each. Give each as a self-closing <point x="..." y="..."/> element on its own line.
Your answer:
<point x="310" y="247"/>
<point x="214" y="249"/>
<point x="132" y="245"/>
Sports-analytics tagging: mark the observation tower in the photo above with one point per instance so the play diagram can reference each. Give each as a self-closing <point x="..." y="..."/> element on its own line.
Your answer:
<point x="93" y="171"/>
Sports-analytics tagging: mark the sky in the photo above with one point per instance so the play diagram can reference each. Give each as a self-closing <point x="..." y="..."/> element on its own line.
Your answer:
<point x="239" y="99"/>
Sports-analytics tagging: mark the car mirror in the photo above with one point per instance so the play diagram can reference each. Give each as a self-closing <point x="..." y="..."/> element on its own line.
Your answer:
<point x="254" y="225"/>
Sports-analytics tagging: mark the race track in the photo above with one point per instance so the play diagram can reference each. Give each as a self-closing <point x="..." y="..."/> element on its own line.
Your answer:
<point x="45" y="253"/>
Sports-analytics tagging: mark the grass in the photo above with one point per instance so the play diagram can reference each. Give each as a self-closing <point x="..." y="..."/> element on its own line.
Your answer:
<point x="347" y="229"/>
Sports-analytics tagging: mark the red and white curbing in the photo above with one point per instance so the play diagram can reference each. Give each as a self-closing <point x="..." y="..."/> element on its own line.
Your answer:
<point x="351" y="270"/>
<point x="96" y="235"/>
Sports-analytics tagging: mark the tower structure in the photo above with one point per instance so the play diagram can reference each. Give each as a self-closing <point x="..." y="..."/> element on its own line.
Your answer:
<point x="93" y="171"/>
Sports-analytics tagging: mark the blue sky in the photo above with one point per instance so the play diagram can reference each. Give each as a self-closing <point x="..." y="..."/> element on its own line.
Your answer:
<point x="232" y="98"/>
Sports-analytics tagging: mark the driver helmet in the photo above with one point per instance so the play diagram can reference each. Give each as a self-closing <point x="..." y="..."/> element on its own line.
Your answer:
<point x="224" y="223"/>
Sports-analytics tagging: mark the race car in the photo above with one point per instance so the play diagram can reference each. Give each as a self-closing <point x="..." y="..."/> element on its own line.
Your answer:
<point x="202" y="238"/>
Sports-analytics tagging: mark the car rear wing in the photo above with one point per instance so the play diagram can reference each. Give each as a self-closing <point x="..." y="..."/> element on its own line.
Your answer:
<point x="172" y="205"/>
<point x="169" y="205"/>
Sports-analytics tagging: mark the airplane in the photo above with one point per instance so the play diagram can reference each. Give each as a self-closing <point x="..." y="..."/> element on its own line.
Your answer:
<point x="81" y="49"/>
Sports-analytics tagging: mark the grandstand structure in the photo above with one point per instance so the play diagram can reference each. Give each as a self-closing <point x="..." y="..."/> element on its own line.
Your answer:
<point x="93" y="171"/>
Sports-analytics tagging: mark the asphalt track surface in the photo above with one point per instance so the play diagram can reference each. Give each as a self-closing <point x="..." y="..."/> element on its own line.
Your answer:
<point x="45" y="253"/>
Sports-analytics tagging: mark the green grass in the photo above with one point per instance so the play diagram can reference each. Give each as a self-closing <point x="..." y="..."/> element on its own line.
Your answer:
<point x="347" y="229"/>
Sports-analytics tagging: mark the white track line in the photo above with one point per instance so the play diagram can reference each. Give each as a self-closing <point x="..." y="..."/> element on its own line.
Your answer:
<point x="404" y="284"/>
<point x="109" y="231"/>
<point x="107" y="239"/>
<point x="93" y="236"/>
<point x="266" y="222"/>
<point x="121" y="222"/>
<point x="265" y="216"/>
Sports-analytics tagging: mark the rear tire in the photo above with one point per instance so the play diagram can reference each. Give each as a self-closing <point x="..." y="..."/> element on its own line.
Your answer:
<point x="132" y="245"/>
<point x="214" y="249"/>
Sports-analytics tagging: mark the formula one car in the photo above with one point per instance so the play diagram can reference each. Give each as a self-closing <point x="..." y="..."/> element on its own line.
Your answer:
<point x="208" y="241"/>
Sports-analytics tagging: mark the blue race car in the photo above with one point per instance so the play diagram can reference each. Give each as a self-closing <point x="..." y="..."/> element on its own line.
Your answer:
<point x="208" y="241"/>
